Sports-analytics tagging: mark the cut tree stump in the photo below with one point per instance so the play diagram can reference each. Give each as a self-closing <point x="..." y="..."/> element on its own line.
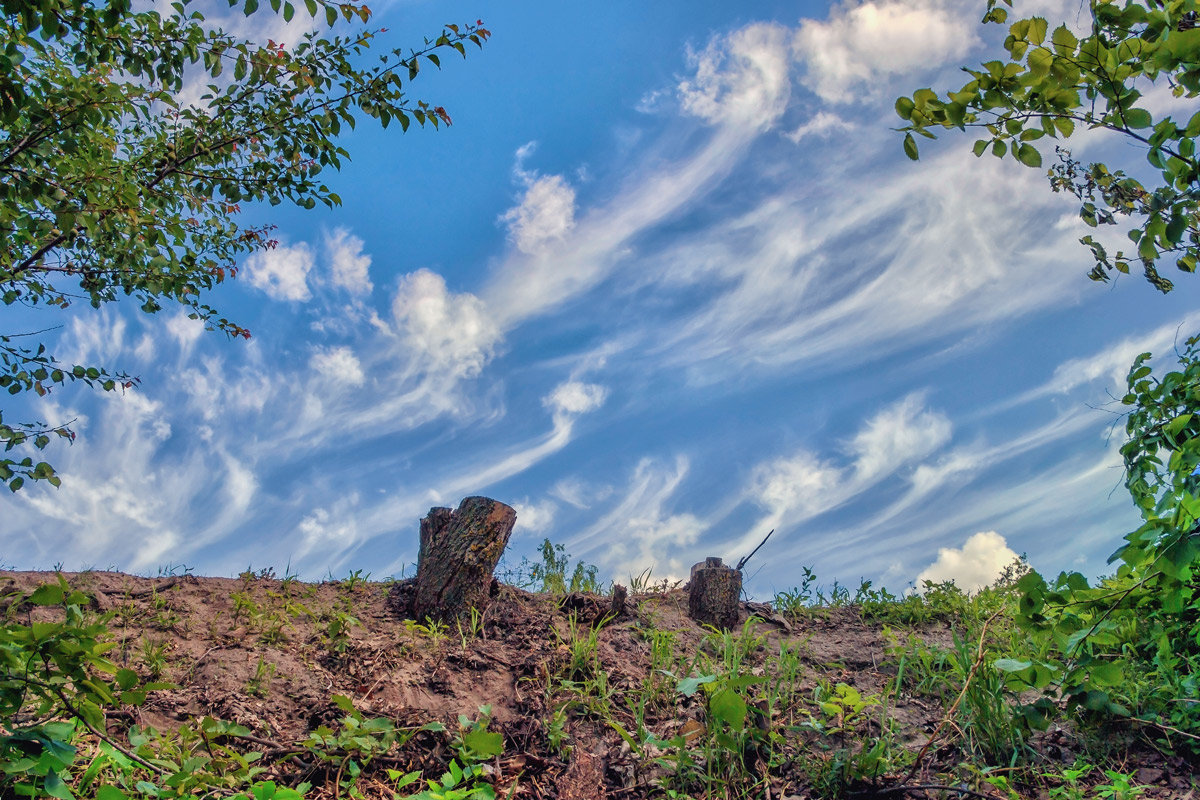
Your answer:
<point x="713" y="594"/>
<point x="459" y="551"/>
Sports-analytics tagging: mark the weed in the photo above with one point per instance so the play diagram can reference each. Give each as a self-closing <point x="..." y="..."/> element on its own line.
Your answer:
<point x="1120" y="787"/>
<point x="337" y="632"/>
<point x="433" y="631"/>
<point x="260" y="683"/>
<point x="644" y="583"/>
<point x="355" y="580"/>
<point x="795" y="602"/>
<point x="288" y="581"/>
<point x="550" y="576"/>
<point x="473" y="629"/>
<point x="164" y="617"/>
<point x="248" y="575"/>
<point x="243" y="606"/>
<point x="457" y="783"/>
<point x="154" y="656"/>
<point x="464" y="775"/>
<point x="556" y="731"/>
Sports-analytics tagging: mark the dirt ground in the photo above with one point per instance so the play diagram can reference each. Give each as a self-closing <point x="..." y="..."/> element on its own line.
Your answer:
<point x="269" y="654"/>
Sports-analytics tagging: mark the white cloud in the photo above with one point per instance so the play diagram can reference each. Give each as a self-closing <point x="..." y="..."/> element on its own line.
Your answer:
<point x="545" y="215"/>
<point x="535" y="517"/>
<point x="329" y="533"/>
<point x="184" y="331"/>
<point x="1112" y="364"/>
<point x="575" y="397"/>
<point x="215" y="389"/>
<point x="93" y="339"/>
<point x="451" y="332"/>
<point x="282" y="272"/>
<point x="954" y="466"/>
<point x="642" y="530"/>
<point x="980" y="561"/>
<point x="823" y="124"/>
<point x="240" y="483"/>
<point x="349" y="267"/>
<point x="907" y="259"/>
<point x="741" y="79"/>
<point x="861" y="42"/>
<point x="803" y="485"/>
<point x="578" y="493"/>
<point x="904" y="432"/>
<point x="801" y="482"/>
<point x="338" y="364"/>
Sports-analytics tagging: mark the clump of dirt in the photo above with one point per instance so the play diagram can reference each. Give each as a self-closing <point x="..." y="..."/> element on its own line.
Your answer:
<point x="565" y="683"/>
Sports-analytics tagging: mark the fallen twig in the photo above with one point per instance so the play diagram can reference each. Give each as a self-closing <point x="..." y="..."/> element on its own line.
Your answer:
<point x="979" y="653"/>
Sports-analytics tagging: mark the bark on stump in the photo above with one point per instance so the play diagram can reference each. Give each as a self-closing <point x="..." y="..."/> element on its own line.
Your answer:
<point x="713" y="594"/>
<point x="459" y="551"/>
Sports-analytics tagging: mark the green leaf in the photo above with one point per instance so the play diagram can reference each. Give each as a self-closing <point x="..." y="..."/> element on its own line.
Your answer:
<point x="55" y="787"/>
<point x="1107" y="674"/>
<point x="48" y="594"/>
<point x="1176" y="425"/>
<point x="1137" y="118"/>
<point x="1028" y="155"/>
<point x="1064" y="41"/>
<point x="910" y="147"/>
<point x="1037" y="30"/>
<point x="483" y="744"/>
<point x="729" y="707"/>
<point x="1040" y="61"/>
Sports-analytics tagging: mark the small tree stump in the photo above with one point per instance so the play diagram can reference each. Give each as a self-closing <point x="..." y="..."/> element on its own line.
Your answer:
<point x="713" y="594"/>
<point x="619" y="595"/>
<point x="459" y="551"/>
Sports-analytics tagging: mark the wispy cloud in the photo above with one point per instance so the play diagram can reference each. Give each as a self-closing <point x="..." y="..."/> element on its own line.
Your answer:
<point x="642" y="529"/>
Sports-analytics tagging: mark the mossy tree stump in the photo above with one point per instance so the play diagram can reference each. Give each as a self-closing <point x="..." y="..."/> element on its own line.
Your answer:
<point x="459" y="551"/>
<point x="713" y="594"/>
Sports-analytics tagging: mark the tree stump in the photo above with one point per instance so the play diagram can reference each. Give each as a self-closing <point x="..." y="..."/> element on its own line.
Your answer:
<point x="713" y="594"/>
<point x="459" y="551"/>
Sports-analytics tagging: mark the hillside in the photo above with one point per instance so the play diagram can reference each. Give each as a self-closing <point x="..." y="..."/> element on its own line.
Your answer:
<point x="334" y="689"/>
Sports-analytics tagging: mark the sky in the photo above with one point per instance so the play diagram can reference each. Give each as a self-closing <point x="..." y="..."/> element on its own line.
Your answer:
<point x="667" y="283"/>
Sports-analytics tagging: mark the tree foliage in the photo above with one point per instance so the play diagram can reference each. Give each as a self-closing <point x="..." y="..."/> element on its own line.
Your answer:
<point x="131" y="139"/>
<point x="1051" y="84"/>
<point x="1127" y="646"/>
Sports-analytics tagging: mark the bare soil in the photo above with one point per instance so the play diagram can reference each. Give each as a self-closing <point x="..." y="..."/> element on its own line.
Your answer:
<point x="258" y="651"/>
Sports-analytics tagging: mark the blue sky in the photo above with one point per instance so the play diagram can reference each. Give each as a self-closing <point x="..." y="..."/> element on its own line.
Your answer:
<point x="667" y="283"/>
